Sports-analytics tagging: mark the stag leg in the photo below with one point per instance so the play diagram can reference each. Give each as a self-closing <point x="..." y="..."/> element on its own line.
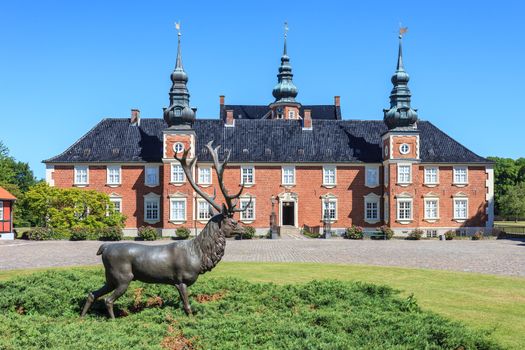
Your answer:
<point x="94" y="296"/>
<point x="183" y="291"/>
<point x="121" y="289"/>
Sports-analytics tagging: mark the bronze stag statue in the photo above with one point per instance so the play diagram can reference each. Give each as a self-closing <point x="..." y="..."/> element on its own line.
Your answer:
<point x="177" y="263"/>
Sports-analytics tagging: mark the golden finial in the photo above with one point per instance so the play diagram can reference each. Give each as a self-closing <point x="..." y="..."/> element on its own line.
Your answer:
<point x="402" y="30"/>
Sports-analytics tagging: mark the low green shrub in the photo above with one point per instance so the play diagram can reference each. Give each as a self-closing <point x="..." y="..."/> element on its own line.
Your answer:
<point x="309" y="234"/>
<point x="449" y="235"/>
<point x="81" y="234"/>
<point x="354" y="232"/>
<point x="477" y="236"/>
<point x="110" y="234"/>
<point x="415" y="235"/>
<point x="147" y="233"/>
<point x="46" y="234"/>
<point x="40" y="311"/>
<point x="182" y="232"/>
<point x="248" y="233"/>
<point x="387" y="231"/>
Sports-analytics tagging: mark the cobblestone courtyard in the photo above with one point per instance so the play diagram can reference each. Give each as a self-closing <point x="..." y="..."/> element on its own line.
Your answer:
<point x="502" y="257"/>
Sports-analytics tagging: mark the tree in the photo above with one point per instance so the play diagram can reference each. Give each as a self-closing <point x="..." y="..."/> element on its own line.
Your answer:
<point x="507" y="174"/>
<point x="513" y="202"/>
<point x="66" y="208"/>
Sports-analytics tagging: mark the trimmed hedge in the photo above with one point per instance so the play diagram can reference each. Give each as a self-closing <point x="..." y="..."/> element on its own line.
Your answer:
<point x="147" y="233"/>
<point x="183" y="232"/>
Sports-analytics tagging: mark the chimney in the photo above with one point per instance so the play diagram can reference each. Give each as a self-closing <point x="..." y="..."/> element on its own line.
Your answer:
<point x="307" y="120"/>
<point x="221" y="100"/>
<point x="135" y="117"/>
<point x="229" y="118"/>
<point x="337" y="101"/>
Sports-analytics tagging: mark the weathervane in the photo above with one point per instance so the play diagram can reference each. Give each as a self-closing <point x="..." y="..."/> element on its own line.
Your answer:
<point x="177" y="26"/>
<point x="402" y="30"/>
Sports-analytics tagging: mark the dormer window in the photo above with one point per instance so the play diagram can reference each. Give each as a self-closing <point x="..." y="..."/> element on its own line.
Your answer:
<point x="178" y="112"/>
<point x="291" y="114"/>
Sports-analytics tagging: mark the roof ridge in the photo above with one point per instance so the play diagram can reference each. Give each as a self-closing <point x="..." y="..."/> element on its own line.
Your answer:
<point x="77" y="141"/>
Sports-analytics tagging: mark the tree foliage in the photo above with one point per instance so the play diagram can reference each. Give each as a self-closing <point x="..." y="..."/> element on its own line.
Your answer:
<point x="514" y="202"/>
<point x="508" y="173"/>
<point x="71" y="208"/>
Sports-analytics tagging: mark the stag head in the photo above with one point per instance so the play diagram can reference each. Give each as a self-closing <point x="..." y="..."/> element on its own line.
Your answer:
<point x="227" y="209"/>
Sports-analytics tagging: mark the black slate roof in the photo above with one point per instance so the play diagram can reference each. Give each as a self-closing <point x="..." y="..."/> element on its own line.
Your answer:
<point x="321" y="112"/>
<point x="282" y="141"/>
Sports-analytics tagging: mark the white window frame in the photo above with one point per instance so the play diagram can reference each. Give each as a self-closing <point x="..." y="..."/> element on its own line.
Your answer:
<point x="455" y="208"/>
<point x="398" y="209"/>
<point x="201" y="171"/>
<point x="369" y="181"/>
<point x="291" y="114"/>
<point x="203" y="214"/>
<point x="427" y="172"/>
<point x="116" y="200"/>
<point x="242" y="204"/>
<point x="399" y="167"/>
<point x="455" y="171"/>
<point x="404" y="145"/>
<point x="426" y="207"/>
<point x="372" y="199"/>
<point x="150" y="168"/>
<point x="184" y="208"/>
<point x="248" y="167"/>
<point x="117" y="175"/>
<point x="327" y="168"/>
<point x="324" y="203"/>
<point x="172" y="177"/>
<point x="155" y="199"/>
<point x="1" y="210"/>
<point x="176" y="145"/>
<point x="284" y="169"/>
<point x="76" y="174"/>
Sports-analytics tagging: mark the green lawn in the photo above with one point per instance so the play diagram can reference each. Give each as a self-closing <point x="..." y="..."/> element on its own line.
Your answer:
<point x="485" y="302"/>
<point x="509" y="223"/>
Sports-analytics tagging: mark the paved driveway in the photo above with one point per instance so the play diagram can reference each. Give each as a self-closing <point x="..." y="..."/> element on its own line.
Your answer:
<point x="502" y="257"/>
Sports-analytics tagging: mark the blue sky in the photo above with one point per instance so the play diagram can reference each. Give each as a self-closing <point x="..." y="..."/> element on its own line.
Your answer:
<point x="65" y="65"/>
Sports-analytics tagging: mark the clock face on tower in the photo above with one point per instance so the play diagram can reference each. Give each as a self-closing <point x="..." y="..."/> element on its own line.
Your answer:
<point x="386" y="151"/>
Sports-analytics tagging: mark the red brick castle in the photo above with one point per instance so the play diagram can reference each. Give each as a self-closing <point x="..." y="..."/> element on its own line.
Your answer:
<point x="304" y="161"/>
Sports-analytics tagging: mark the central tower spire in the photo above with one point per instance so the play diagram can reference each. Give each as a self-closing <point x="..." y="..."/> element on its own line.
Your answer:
<point x="285" y="105"/>
<point x="400" y="113"/>
<point x="179" y="111"/>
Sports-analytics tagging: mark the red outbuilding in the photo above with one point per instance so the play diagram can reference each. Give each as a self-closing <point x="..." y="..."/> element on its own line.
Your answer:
<point x="6" y="214"/>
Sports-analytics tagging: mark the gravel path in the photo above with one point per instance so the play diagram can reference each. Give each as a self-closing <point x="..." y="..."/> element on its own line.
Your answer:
<point x="500" y="257"/>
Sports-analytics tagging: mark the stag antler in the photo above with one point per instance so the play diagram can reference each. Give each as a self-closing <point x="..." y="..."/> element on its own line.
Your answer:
<point x="231" y="201"/>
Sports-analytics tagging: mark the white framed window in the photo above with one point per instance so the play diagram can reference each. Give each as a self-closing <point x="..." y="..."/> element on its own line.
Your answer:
<point x="404" y="209"/>
<point x="460" y="208"/>
<point x="1" y="210"/>
<point x="371" y="176"/>
<point x="291" y="114"/>
<point x="178" y="147"/>
<point x="372" y="201"/>
<point x="249" y="213"/>
<point x="288" y="175"/>
<point x="203" y="210"/>
<point x="431" y="209"/>
<point x="330" y="209"/>
<point x="247" y="175"/>
<point x="404" y="148"/>
<point x="205" y="175"/>
<point x="329" y="175"/>
<point x="432" y="233"/>
<point x="460" y="175"/>
<point x="113" y="174"/>
<point x="151" y="175"/>
<point x="431" y="175"/>
<point x="404" y="173"/>
<point x="117" y="203"/>
<point x="81" y="175"/>
<point x="177" y="174"/>
<point x="177" y="209"/>
<point x="152" y="208"/>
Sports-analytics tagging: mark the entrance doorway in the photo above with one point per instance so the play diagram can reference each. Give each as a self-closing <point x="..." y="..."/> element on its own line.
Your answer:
<point x="288" y="213"/>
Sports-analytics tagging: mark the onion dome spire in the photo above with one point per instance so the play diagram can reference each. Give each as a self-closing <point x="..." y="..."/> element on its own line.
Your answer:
<point x="179" y="111"/>
<point x="285" y="90"/>
<point x="400" y="113"/>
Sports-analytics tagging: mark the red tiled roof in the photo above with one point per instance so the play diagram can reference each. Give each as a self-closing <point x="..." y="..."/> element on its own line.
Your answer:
<point x="6" y="195"/>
